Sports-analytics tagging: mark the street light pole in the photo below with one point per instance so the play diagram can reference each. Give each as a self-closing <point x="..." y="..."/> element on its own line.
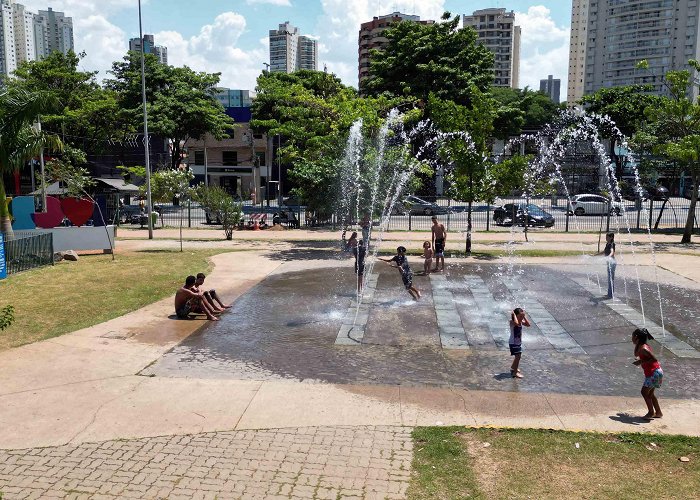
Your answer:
<point x="145" y="131"/>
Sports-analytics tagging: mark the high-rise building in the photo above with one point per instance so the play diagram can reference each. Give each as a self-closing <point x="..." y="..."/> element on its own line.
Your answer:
<point x="497" y="31"/>
<point x="149" y="47"/>
<point x="290" y="51"/>
<point x="610" y="37"/>
<point x="551" y="87"/>
<point x="372" y="37"/>
<point x="52" y="32"/>
<point x="27" y="36"/>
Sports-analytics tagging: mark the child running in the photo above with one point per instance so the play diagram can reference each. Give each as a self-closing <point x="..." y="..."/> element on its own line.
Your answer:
<point x="517" y="321"/>
<point x="405" y="270"/>
<point x="653" y="374"/>
<point x="428" y="256"/>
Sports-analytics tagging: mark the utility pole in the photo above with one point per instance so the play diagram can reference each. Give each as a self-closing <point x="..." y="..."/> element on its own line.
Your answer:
<point x="146" y="143"/>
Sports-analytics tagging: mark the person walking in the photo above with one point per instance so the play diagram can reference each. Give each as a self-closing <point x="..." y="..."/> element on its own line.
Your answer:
<point x="609" y="253"/>
<point x="653" y="374"/>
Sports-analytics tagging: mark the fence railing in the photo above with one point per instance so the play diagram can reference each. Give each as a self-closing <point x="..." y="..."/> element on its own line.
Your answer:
<point x="653" y="214"/>
<point x="28" y="252"/>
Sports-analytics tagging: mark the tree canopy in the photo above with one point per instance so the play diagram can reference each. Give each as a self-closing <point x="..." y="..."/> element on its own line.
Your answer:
<point x="422" y="59"/>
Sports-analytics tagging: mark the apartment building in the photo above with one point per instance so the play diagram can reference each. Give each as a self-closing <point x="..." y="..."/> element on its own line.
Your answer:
<point x="149" y="47"/>
<point x="290" y="51"/>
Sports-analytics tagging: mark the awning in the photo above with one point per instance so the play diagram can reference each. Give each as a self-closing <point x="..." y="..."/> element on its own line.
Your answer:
<point x="120" y="185"/>
<point x="52" y="190"/>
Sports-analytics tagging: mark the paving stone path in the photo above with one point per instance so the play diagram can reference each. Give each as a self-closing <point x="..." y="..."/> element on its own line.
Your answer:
<point x="313" y="462"/>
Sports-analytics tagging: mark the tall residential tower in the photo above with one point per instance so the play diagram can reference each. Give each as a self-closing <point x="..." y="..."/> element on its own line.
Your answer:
<point x="290" y="51"/>
<point x="497" y="32"/>
<point x="149" y="47"/>
<point x="610" y="37"/>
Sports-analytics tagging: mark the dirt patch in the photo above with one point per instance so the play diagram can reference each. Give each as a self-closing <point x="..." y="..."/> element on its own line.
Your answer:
<point x="486" y="467"/>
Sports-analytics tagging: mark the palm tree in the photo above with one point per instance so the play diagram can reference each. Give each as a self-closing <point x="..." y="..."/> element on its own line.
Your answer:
<point x="19" y="141"/>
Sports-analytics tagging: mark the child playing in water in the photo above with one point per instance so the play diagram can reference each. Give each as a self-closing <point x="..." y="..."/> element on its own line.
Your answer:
<point x="517" y="321"/>
<point x="428" y="256"/>
<point x="405" y="270"/>
<point x="653" y="374"/>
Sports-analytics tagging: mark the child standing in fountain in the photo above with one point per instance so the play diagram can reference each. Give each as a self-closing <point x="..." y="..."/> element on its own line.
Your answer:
<point x="405" y="270"/>
<point x="428" y="256"/>
<point x="609" y="253"/>
<point x="653" y="374"/>
<point x="517" y="321"/>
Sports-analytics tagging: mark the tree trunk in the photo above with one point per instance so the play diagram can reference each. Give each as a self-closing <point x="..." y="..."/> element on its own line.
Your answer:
<point x="690" y="222"/>
<point x="5" y="221"/>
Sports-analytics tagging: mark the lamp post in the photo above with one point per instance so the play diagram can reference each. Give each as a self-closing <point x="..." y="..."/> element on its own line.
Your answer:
<point x="145" y="131"/>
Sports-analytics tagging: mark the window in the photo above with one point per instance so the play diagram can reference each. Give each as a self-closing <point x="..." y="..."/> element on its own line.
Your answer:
<point x="199" y="157"/>
<point x="229" y="158"/>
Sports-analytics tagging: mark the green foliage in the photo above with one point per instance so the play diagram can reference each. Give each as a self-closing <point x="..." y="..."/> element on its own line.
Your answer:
<point x="624" y="105"/>
<point x="69" y="171"/>
<point x="166" y="184"/>
<point x="7" y="317"/>
<point x="181" y="102"/>
<point x="313" y="111"/>
<point x="673" y="131"/>
<point x="218" y="202"/>
<point x="519" y="110"/>
<point x="423" y="59"/>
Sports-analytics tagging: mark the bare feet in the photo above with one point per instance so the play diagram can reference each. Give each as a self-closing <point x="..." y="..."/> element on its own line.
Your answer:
<point x="648" y="416"/>
<point x="516" y="374"/>
<point x="227" y="306"/>
<point x="419" y="294"/>
<point x="212" y="318"/>
<point x="658" y="415"/>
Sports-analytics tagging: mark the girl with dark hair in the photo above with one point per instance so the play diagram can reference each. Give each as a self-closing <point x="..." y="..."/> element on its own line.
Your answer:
<point x="653" y="374"/>
<point x="609" y="253"/>
<point x="517" y="321"/>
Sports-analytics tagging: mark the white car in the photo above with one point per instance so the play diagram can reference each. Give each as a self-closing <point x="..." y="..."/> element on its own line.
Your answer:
<point x="593" y="204"/>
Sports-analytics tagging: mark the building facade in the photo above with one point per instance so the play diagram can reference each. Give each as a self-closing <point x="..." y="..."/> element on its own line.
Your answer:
<point x="613" y="36"/>
<point x="290" y="51"/>
<point x="27" y="36"/>
<point x="234" y="98"/>
<point x="149" y="47"/>
<point x="371" y="37"/>
<point x="551" y="87"/>
<point x="497" y="31"/>
<point x="239" y="164"/>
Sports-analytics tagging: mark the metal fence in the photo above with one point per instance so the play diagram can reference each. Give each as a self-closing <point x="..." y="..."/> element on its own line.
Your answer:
<point x="28" y="252"/>
<point x="454" y="214"/>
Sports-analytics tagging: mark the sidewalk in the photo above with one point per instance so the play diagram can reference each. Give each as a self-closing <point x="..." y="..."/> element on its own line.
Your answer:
<point x="68" y="403"/>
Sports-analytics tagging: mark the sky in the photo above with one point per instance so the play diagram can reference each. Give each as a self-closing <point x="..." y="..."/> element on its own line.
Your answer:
<point x="230" y="37"/>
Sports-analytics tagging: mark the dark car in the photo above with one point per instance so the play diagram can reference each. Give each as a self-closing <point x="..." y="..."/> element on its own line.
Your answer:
<point x="630" y="192"/>
<point x="419" y="206"/>
<point x="659" y="193"/>
<point x="518" y="213"/>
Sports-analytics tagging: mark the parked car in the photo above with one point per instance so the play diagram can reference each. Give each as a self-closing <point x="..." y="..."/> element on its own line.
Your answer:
<point x="659" y="193"/>
<point x="630" y="192"/>
<point x="593" y="204"/>
<point x="419" y="206"/>
<point x="519" y="213"/>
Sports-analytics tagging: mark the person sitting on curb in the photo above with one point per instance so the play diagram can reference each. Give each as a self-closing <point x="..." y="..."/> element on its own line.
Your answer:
<point x="188" y="301"/>
<point x="211" y="295"/>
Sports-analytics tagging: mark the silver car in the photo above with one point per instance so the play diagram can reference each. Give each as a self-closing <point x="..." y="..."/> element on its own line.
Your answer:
<point x="593" y="204"/>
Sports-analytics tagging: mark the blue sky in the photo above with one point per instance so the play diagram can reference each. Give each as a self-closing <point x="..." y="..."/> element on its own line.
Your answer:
<point x="230" y="36"/>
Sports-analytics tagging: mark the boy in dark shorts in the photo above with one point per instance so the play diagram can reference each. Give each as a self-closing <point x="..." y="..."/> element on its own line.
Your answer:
<point x="189" y="300"/>
<point x="405" y="270"/>
<point x="439" y="234"/>
<point x="211" y="295"/>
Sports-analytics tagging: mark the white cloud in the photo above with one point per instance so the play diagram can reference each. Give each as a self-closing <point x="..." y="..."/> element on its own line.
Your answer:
<point x="215" y="50"/>
<point x="339" y="25"/>
<point x="102" y="41"/>
<point x="280" y="3"/>
<point x="544" y="48"/>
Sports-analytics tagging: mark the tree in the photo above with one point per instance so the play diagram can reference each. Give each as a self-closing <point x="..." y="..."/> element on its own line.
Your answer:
<point x="313" y="111"/>
<point x="625" y="106"/>
<point x="88" y="115"/>
<point x="673" y="131"/>
<point x="181" y="102"/>
<point x="424" y="59"/>
<point x="19" y="141"/>
<point x="520" y="110"/>
<point x="217" y="201"/>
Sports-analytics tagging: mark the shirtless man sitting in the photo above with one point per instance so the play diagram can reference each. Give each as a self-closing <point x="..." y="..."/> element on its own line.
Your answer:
<point x="189" y="300"/>
<point x="211" y="295"/>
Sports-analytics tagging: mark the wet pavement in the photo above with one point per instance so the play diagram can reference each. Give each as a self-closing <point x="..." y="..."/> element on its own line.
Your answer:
<point x="288" y="327"/>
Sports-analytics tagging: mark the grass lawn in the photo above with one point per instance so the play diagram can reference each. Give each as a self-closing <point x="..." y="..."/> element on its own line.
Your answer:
<point x="459" y="462"/>
<point x="72" y="295"/>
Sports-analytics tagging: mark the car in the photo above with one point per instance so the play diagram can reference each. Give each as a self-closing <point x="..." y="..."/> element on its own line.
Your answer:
<point x="518" y="213"/>
<point x="419" y="206"/>
<point x="659" y="193"/>
<point x="630" y="192"/>
<point x="593" y="204"/>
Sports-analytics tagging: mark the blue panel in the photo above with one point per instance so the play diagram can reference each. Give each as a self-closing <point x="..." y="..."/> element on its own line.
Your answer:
<point x="22" y="210"/>
<point x="3" y="264"/>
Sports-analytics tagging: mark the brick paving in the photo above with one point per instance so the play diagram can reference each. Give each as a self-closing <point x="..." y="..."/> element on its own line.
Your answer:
<point x="312" y="463"/>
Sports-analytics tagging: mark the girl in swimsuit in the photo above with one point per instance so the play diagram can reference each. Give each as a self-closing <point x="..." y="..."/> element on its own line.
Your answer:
<point x="653" y="374"/>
